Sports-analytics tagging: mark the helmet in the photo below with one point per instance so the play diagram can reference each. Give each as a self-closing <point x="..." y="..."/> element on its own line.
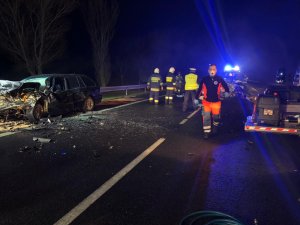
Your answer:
<point x="172" y="70"/>
<point x="156" y="70"/>
<point x="192" y="69"/>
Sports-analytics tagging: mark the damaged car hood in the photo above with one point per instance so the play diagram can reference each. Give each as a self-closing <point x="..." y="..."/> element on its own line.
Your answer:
<point x="7" y="85"/>
<point x="21" y="98"/>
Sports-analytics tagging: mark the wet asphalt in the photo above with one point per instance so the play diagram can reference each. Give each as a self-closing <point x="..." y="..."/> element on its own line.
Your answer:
<point x="254" y="178"/>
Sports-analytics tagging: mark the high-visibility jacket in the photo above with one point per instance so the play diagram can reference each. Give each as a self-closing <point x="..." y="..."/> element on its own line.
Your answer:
<point x="155" y="82"/>
<point x="170" y="81"/>
<point x="191" y="82"/>
<point x="210" y="88"/>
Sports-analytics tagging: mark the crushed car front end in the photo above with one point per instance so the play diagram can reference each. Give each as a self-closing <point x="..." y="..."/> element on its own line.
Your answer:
<point x="26" y="101"/>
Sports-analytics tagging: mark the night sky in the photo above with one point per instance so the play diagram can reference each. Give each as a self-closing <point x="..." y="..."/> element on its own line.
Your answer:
<point x="260" y="36"/>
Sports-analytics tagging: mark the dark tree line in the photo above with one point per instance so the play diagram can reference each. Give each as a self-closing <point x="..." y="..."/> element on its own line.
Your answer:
<point x="32" y="31"/>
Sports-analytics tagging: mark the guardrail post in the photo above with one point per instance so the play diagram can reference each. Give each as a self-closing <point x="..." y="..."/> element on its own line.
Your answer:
<point x="126" y="92"/>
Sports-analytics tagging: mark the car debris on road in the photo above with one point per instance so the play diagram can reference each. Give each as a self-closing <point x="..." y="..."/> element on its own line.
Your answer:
<point x="42" y="140"/>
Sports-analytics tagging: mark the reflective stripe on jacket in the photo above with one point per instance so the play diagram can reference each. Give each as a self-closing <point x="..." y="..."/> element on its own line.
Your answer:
<point x="170" y="81"/>
<point x="191" y="82"/>
<point x="155" y="82"/>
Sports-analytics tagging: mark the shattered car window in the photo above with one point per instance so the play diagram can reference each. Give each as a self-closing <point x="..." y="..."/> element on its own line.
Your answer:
<point x="41" y="80"/>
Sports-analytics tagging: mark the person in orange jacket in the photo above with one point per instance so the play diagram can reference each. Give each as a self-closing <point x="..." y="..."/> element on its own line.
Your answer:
<point x="209" y="93"/>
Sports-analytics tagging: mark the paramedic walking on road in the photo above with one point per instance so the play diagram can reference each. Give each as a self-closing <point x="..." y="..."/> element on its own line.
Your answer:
<point x="191" y="87"/>
<point x="210" y="88"/>
<point x="155" y="85"/>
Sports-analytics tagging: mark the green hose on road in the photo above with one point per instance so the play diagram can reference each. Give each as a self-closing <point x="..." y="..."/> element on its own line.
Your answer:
<point x="209" y="218"/>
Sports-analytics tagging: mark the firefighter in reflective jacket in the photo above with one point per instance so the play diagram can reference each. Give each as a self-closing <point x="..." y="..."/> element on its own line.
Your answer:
<point x="170" y="86"/>
<point x="209" y="93"/>
<point x="191" y="87"/>
<point x="155" y="85"/>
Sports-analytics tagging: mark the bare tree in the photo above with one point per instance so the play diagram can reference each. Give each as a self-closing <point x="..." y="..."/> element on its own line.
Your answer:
<point x="101" y="17"/>
<point x="32" y="30"/>
<point x="122" y="68"/>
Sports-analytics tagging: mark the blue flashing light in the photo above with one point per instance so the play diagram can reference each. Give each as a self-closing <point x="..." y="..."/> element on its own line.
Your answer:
<point x="236" y="68"/>
<point x="228" y="68"/>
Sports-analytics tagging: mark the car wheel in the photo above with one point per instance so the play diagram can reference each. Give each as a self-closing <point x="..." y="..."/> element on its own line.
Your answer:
<point x="35" y="114"/>
<point x="88" y="104"/>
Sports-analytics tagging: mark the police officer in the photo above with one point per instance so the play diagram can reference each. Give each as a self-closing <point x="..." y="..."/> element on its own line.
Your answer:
<point x="190" y="87"/>
<point x="170" y="85"/>
<point x="209" y="93"/>
<point x="155" y="85"/>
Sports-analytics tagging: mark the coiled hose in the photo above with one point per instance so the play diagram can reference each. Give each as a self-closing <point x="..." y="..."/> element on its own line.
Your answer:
<point x="209" y="218"/>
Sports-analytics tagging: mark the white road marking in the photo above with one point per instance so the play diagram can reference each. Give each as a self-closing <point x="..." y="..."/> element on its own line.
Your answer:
<point x="193" y="114"/>
<point x="189" y="117"/>
<point x="128" y="104"/>
<point x="88" y="201"/>
<point x="116" y="107"/>
<point x="183" y="121"/>
<point x="8" y="133"/>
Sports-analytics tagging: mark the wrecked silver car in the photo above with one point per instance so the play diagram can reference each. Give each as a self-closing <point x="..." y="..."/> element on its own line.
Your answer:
<point x="7" y="85"/>
<point x="50" y="94"/>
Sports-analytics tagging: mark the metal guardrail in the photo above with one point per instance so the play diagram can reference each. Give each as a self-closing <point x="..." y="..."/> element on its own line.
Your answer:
<point x="123" y="88"/>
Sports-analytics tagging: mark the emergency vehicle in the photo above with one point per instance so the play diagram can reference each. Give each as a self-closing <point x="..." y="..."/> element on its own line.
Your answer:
<point x="277" y="110"/>
<point x="233" y="74"/>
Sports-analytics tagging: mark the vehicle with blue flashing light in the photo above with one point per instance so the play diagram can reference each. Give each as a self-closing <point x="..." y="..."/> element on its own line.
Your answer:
<point x="233" y="74"/>
<point x="50" y="94"/>
<point x="277" y="110"/>
<point x="236" y="80"/>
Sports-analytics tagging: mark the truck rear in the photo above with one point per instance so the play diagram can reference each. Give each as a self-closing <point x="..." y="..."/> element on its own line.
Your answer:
<point x="276" y="111"/>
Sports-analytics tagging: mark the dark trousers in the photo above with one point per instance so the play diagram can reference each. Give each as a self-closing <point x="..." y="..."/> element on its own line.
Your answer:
<point x="187" y="95"/>
<point x="154" y="96"/>
<point x="169" y="95"/>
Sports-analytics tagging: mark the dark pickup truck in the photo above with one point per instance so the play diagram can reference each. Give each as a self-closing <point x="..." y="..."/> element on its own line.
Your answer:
<point x="277" y="110"/>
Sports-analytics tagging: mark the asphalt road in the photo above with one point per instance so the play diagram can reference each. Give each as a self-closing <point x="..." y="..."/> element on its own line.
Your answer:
<point x="255" y="178"/>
